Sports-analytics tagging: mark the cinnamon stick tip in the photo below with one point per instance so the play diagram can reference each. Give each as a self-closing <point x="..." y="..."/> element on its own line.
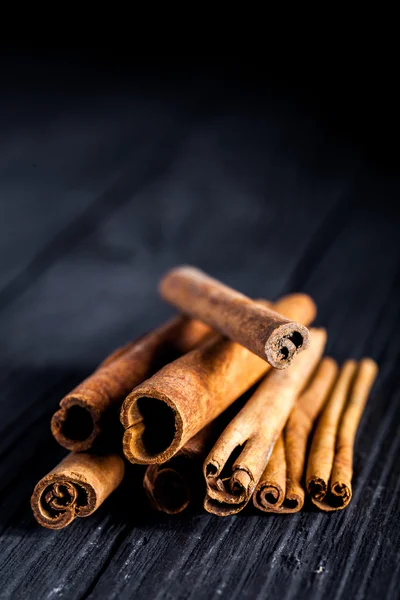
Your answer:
<point x="338" y="497"/>
<point x="342" y="492"/>
<point x="211" y="468"/>
<point x="153" y="426"/>
<point x="330" y="363"/>
<point x="350" y="364"/>
<point x="241" y="481"/>
<point x="75" y="425"/>
<point x="369" y="364"/>
<point x="167" y="281"/>
<point x="75" y="488"/>
<point x="167" y="490"/>
<point x="269" y="496"/>
<point x="286" y="341"/>
<point x="57" y="500"/>
<point x="221" y="509"/>
<point x="317" y="488"/>
<point x="292" y="503"/>
<point x="305" y="305"/>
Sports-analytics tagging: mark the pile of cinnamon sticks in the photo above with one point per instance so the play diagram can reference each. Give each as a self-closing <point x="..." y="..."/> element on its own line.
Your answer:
<point x="177" y="391"/>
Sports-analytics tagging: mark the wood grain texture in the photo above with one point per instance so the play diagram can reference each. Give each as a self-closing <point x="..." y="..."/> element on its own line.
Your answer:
<point x="212" y="177"/>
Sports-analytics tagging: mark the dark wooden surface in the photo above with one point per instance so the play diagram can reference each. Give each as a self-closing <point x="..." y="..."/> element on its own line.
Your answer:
<point x="105" y="185"/>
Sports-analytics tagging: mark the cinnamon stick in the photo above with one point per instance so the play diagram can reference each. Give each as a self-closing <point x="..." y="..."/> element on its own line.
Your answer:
<point x="164" y="412"/>
<point x="171" y="485"/>
<point x="75" y="488"/>
<point x="270" y="491"/>
<point x="288" y="466"/>
<point x="254" y="431"/>
<point x="260" y="329"/>
<point x="85" y="412"/>
<point x="330" y="464"/>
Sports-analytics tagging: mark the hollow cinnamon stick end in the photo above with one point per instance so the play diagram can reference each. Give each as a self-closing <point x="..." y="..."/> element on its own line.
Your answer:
<point x="57" y="499"/>
<point x="75" y="488"/>
<point x="317" y="488"/>
<point x="45" y="491"/>
<point x="226" y="498"/>
<point x="293" y="503"/>
<point x="154" y="427"/>
<point x="221" y="509"/>
<point x="268" y="497"/>
<point x="241" y="482"/>
<point x="142" y="448"/>
<point x="339" y="496"/>
<point x="285" y="343"/>
<point x="75" y="426"/>
<point x="167" y="490"/>
<point x="215" y="485"/>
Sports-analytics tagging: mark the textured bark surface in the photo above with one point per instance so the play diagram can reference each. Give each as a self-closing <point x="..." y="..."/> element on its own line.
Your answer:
<point x="330" y="464"/>
<point x="165" y="411"/>
<point x="323" y="444"/>
<point x="292" y="458"/>
<point x="101" y="192"/>
<point x="270" y="491"/>
<point x="258" y="328"/>
<point x="86" y="412"/>
<point x="231" y="479"/>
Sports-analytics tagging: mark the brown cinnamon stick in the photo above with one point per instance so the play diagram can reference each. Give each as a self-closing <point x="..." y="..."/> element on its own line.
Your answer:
<point x="255" y="431"/>
<point x="171" y="485"/>
<point x="288" y="466"/>
<point x="270" y="491"/>
<point x="330" y="464"/>
<point x="260" y="329"/>
<point x="75" y="488"/>
<point x="84" y="413"/>
<point x="164" y="412"/>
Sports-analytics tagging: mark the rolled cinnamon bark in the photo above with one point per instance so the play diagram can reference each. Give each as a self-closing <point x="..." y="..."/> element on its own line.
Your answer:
<point x="75" y="488"/>
<point x="261" y="330"/>
<point x="330" y="464"/>
<point x="254" y="431"/>
<point x="171" y="485"/>
<point x="288" y="466"/>
<point x="270" y="491"/>
<point x="164" y="412"/>
<point x="85" y="412"/>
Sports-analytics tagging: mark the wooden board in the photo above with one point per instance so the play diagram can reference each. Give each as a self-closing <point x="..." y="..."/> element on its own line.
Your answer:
<point x="101" y="191"/>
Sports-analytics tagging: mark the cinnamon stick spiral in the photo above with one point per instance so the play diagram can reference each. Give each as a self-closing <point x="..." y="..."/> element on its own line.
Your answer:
<point x="330" y="464"/>
<point x="286" y="465"/>
<point x="254" y="432"/>
<point x="75" y="488"/>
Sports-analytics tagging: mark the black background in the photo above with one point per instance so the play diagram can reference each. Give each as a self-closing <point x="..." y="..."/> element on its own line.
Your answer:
<point x="115" y="167"/>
